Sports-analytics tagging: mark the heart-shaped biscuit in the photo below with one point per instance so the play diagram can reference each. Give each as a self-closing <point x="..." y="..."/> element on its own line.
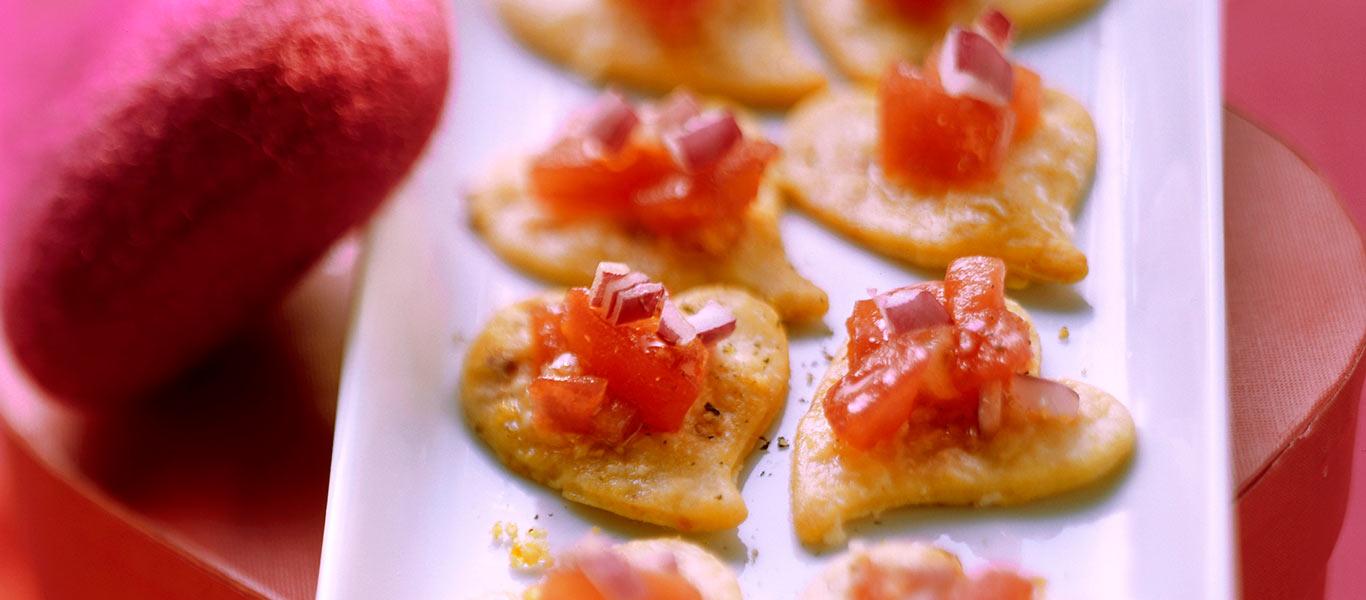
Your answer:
<point x="523" y="232"/>
<point x="833" y="483"/>
<point x="685" y="480"/>
<point x="830" y="168"/>
<point x="864" y="37"/>
<point x="741" y="50"/>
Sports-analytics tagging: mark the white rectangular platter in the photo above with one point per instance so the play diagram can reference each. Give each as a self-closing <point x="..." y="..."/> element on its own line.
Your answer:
<point x="414" y="493"/>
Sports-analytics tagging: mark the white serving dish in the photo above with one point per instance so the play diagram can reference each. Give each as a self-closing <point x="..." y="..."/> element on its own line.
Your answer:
<point x="414" y="493"/>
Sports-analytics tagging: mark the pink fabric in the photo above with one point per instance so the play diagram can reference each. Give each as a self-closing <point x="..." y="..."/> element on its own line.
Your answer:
<point x="1297" y="68"/>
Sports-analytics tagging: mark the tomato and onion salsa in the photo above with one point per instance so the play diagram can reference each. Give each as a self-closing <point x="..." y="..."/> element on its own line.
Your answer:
<point x="671" y="21"/>
<point x="950" y="123"/>
<point x="620" y="356"/>
<point x="949" y="354"/>
<point x="672" y="169"/>
<point x="872" y="581"/>
<point x="593" y="570"/>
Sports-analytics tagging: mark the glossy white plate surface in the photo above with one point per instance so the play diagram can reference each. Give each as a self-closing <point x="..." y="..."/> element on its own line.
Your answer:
<point x="414" y="493"/>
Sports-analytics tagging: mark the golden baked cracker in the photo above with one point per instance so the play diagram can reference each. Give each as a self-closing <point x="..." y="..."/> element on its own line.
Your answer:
<point x="864" y="37"/>
<point x="835" y="582"/>
<point x="523" y="232"/>
<point x="686" y="480"/>
<point x="712" y="578"/>
<point x="1027" y="459"/>
<point x="831" y="168"/>
<point x="742" y="50"/>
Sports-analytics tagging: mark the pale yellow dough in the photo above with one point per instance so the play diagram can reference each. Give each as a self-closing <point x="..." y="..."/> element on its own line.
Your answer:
<point x="742" y="50"/>
<point x="567" y="251"/>
<point x="1027" y="459"/>
<point x="685" y="480"/>
<point x="864" y="37"/>
<point x="830" y="168"/>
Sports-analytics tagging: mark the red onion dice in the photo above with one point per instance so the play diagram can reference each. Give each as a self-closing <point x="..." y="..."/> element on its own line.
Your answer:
<point x="611" y="121"/>
<point x="612" y="291"/>
<point x="972" y="65"/>
<point x="1050" y="399"/>
<point x="989" y="404"/>
<point x="713" y="323"/>
<point x="635" y="303"/>
<point x="607" y="273"/>
<point x="704" y="140"/>
<point x="910" y="309"/>
<point x="996" y="27"/>
<point x="674" y="328"/>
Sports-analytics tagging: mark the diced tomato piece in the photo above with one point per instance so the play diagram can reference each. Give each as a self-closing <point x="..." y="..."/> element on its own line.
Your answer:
<point x="867" y="331"/>
<point x="643" y="184"/>
<point x="568" y="403"/>
<point x="993" y="343"/>
<point x="572" y="584"/>
<point x="920" y="10"/>
<point x="932" y="140"/>
<point x="568" y="584"/>
<point x="573" y="182"/>
<point x="871" y="581"/>
<point x="996" y="584"/>
<point x="659" y="380"/>
<point x="668" y="586"/>
<point x="872" y="403"/>
<point x="1026" y="102"/>
<point x="672" y="20"/>
<point x="546" y="341"/>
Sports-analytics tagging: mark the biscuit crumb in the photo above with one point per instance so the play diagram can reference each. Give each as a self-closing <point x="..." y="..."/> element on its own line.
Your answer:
<point x="1064" y="333"/>
<point x="782" y="443"/>
<point x="531" y="553"/>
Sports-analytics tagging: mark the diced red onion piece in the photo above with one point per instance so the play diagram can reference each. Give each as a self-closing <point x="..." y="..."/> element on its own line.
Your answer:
<point x="704" y="140"/>
<point x="989" y="404"/>
<point x="674" y="327"/>
<point x="996" y="27"/>
<point x="713" y="323"/>
<point x="910" y="309"/>
<point x="611" y="121"/>
<point x="607" y="273"/>
<point x="613" y="289"/>
<point x="608" y="571"/>
<point x="674" y="111"/>
<point x="635" y="303"/>
<point x="1044" y="397"/>
<point x="566" y="364"/>
<point x="971" y="65"/>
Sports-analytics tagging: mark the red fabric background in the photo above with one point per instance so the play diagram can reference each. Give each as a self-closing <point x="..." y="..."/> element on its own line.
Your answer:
<point x="1296" y="68"/>
<point x="1299" y="69"/>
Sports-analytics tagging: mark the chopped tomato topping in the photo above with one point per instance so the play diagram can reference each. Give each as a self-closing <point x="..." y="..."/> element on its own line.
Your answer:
<point x="568" y="584"/>
<point x="572" y="584"/>
<point x="996" y="584"/>
<point x="1026" y="102"/>
<point x="579" y="404"/>
<point x="643" y="184"/>
<point x="920" y="10"/>
<point x="993" y="343"/>
<point x="672" y="20"/>
<point x="871" y="581"/>
<point x="872" y="403"/>
<point x="932" y="140"/>
<point x="547" y="343"/>
<point x="936" y="372"/>
<point x="660" y="381"/>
